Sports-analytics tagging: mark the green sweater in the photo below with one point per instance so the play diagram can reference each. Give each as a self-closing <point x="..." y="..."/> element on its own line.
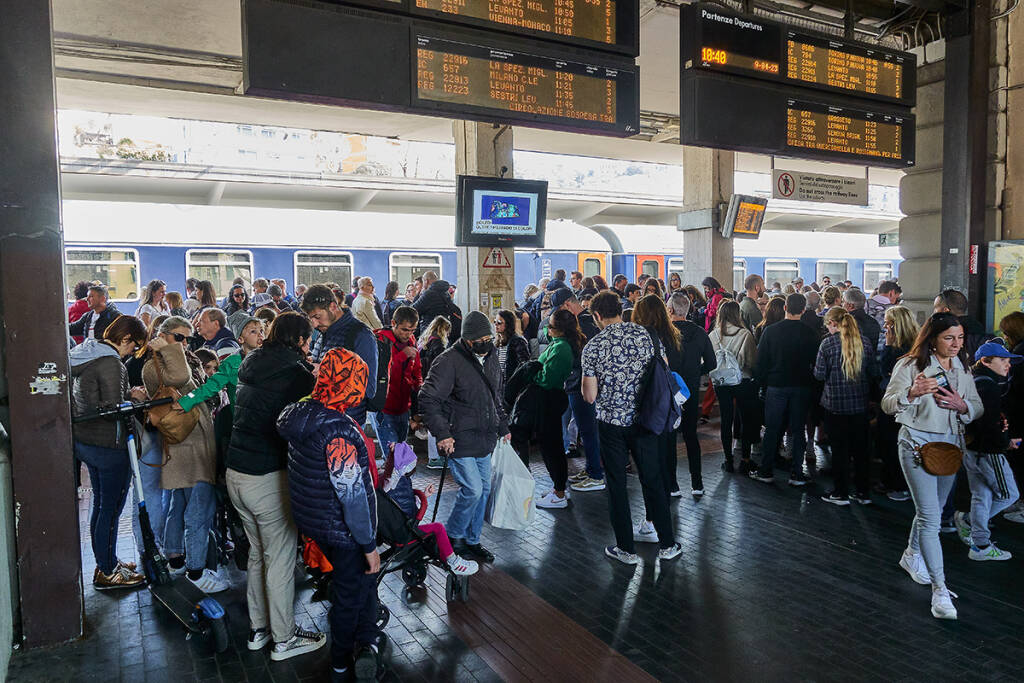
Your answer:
<point x="226" y="377"/>
<point x="556" y="364"/>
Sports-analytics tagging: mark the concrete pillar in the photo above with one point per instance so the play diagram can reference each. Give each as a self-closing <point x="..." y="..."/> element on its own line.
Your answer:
<point x="486" y="275"/>
<point x="921" y="189"/>
<point x="34" y="353"/>
<point x="707" y="183"/>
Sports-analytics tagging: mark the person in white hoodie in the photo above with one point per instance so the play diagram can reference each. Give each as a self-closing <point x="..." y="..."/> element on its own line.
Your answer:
<point x="100" y="380"/>
<point x="932" y="396"/>
<point x="731" y="338"/>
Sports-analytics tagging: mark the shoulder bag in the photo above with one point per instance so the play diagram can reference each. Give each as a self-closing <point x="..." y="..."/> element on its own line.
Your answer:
<point x="173" y="424"/>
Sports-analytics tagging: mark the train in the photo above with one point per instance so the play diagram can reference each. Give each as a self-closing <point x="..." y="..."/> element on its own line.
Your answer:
<point x="127" y="244"/>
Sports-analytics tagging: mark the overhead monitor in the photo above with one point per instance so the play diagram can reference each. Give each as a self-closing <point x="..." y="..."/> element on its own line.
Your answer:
<point x="744" y="217"/>
<point x="500" y="212"/>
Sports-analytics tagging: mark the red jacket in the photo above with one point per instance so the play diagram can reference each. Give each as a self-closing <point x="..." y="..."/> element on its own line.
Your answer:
<point x="76" y="311"/>
<point x="405" y="374"/>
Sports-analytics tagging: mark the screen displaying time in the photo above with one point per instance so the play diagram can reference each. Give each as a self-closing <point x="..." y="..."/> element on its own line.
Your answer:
<point x="847" y="132"/>
<point x="596" y="21"/>
<point x="460" y="76"/>
<point x="843" y="67"/>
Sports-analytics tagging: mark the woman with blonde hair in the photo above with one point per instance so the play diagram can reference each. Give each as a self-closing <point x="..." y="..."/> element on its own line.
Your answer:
<point x="900" y="332"/>
<point x="846" y="365"/>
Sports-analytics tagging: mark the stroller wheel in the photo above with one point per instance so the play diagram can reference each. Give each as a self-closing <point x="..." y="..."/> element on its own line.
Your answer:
<point x="451" y="588"/>
<point x="383" y="615"/>
<point x="414" y="575"/>
<point x="464" y="589"/>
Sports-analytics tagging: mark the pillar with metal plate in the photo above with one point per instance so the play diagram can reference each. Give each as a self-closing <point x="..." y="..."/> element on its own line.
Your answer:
<point x="34" y="402"/>
<point x="707" y="186"/>
<point x="486" y="275"/>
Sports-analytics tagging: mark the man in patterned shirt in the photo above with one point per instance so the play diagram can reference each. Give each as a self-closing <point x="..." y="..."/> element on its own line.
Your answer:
<point x="613" y="364"/>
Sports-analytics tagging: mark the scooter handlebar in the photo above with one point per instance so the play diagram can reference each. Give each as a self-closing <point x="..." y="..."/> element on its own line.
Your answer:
<point x="122" y="409"/>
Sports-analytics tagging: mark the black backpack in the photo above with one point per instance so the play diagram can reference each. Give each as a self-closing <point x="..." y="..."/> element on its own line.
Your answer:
<point x="375" y="404"/>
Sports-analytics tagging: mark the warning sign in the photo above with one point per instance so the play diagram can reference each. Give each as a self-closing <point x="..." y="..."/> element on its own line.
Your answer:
<point x="785" y="185"/>
<point x="819" y="187"/>
<point x="497" y="258"/>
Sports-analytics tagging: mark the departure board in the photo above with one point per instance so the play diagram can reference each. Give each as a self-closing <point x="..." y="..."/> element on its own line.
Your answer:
<point x="719" y="40"/>
<point x="610" y="24"/>
<point x="464" y="77"/>
<point x="844" y="131"/>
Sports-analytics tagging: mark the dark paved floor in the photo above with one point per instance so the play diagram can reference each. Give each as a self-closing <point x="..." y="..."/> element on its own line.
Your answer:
<point x="773" y="585"/>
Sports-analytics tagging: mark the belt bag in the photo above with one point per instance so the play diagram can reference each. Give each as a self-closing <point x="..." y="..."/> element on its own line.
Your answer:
<point x="939" y="458"/>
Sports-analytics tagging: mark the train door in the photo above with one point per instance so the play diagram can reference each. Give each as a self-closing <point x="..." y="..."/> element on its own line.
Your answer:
<point x="650" y="264"/>
<point x="593" y="263"/>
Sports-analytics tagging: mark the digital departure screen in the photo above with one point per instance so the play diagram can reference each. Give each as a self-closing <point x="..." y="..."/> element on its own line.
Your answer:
<point x="608" y="23"/>
<point x="718" y="40"/>
<point x="461" y="77"/>
<point x="845" y="131"/>
<point x="744" y="216"/>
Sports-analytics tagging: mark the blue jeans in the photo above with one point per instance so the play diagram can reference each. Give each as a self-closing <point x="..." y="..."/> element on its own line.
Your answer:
<point x="586" y="421"/>
<point x="473" y="475"/>
<point x="570" y="430"/>
<point x="390" y="429"/>
<point x="110" y="474"/>
<point x="785" y="407"/>
<point x="189" y="519"/>
<point x="993" y="489"/>
<point x="152" y="454"/>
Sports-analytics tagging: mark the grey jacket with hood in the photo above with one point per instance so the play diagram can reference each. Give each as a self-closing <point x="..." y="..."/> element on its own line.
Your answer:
<point x="99" y="380"/>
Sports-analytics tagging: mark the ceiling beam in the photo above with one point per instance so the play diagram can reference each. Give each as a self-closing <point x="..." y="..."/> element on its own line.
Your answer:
<point x="216" y="193"/>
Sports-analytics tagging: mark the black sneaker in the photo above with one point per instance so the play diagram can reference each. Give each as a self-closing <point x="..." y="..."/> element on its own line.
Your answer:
<point x="747" y="466"/>
<point x="765" y="478"/>
<point x="862" y="498"/>
<point x="798" y="480"/>
<point x="477" y="552"/>
<point x="369" y="662"/>
<point x="836" y="499"/>
<point x="727" y="466"/>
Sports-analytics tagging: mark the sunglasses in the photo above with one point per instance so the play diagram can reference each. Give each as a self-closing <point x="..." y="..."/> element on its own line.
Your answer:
<point x="179" y="337"/>
<point x="238" y="296"/>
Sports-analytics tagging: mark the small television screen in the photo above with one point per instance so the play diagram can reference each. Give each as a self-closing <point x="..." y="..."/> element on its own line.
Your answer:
<point x="744" y="217"/>
<point x="500" y="212"/>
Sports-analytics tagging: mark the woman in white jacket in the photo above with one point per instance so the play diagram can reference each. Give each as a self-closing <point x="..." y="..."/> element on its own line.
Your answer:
<point x="932" y="396"/>
<point x="731" y="338"/>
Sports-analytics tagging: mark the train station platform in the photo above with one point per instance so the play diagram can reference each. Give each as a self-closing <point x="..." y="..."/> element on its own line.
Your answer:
<point x="773" y="584"/>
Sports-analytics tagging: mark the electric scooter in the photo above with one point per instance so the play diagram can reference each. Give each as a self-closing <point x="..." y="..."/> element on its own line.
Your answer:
<point x="198" y="612"/>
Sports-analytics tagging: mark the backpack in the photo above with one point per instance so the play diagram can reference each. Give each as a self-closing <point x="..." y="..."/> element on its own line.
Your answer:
<point x="375" y="404"/>
<point x="658" y="412"/>
<point x="727" y="373"/>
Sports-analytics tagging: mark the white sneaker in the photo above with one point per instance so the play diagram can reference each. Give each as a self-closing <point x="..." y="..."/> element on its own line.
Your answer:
<point x="1017" y="517"/>
<point x="671" y="552"/>
<point x="210" y="582"/>
<point x="942" y="603"/>
<point x="963" y="528"/>
<point x="462" y="566"/>
<point x="258" y="638"/>
<point x="696" y="493"/>
<point x="913" y="564"/>
<point x="645" y="533"/>
<point x="989" y="553"/>
<point x="299" y="644"/>
<point x="616" y="553"/>
<point x="551" y="501"/>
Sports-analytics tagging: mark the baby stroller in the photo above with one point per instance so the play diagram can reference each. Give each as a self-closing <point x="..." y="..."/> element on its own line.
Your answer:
<point x="411" y="550"/>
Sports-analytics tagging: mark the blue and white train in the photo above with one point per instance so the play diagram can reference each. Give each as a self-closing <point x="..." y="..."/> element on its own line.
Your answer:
<point x="127" y="244"/>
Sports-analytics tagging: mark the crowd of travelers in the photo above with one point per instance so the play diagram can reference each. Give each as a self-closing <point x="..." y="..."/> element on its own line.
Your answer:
<point x="277" y="394"/>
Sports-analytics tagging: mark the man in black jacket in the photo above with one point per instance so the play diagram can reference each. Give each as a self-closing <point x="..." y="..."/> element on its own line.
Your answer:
<point x="854" y="301"/>
<point x="460" y="405"/>
<point x="100" y="314"/>
<point x="785" y="360"/>
<point x="436" y="301"/>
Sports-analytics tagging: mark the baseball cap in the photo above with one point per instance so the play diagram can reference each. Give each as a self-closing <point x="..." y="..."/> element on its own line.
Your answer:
<point x="560" y="296"/>
<point x="997" y="350"/>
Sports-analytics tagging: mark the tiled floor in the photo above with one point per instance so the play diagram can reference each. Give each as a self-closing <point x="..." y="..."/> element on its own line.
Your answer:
<point x="773" y="585"/>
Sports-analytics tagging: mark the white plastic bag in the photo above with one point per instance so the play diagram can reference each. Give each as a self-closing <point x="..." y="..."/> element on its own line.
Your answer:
<point x="510" y="505"/>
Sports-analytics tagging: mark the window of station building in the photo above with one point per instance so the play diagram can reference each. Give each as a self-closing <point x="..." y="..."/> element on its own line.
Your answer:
<point x="675" y="265"/>
<point x="874" y="273"/>
<point x="244" y="129"/>
<point x="406" y="267"/>
<point x="649" y="267"/>
<point x="321" y="267"/>
<point x="782" y="272"/>
<point x="739" y="273"/>
<point x="219" y="267"/>
<point x="118" y="269"/>
<point x="591" y="267"/>
<point x="836" y="270"/>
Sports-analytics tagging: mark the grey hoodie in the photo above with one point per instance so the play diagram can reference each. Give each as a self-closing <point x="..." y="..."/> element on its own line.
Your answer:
<point x="99" y="380"/>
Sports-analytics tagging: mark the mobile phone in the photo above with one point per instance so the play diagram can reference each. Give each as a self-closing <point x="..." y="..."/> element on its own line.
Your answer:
<point x="941" y="379"/>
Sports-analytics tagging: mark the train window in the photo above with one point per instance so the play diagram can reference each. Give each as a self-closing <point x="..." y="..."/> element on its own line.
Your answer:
<point x="406" y="267"/>
<point x="875" y="272"/>
<point x="782" y="272"/>
<point x="739" y="273"/>
<point x="836" y="270"/>
<point x="649" y="268"/>
<point x="675" y="265"/>
<point x="591" y="267"/>
<point x="219" y="267"/>
<point x="118" y="269"/>
<point x="319" y="267"/>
